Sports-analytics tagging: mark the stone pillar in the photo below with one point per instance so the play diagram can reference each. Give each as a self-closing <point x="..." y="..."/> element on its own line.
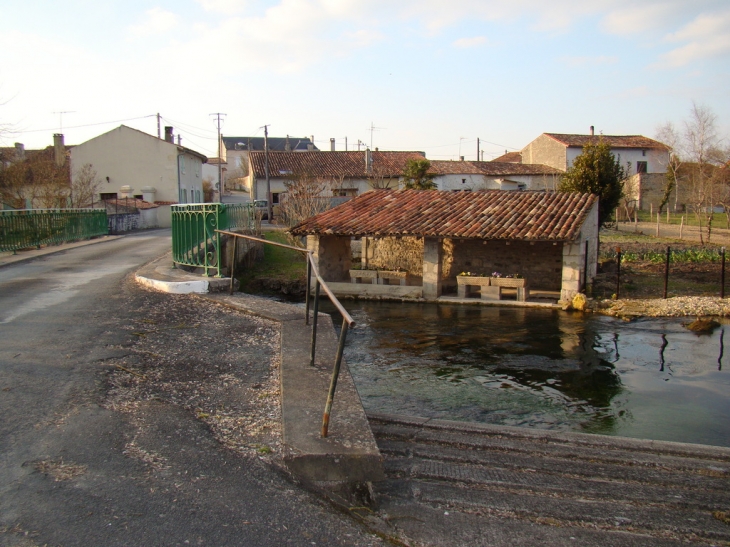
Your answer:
<point x="573" y="262"/>
<point x="432" y="254"/>
<point x="332" y="255"/>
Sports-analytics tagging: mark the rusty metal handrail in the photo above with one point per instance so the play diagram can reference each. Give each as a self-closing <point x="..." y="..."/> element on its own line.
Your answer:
<point x="347" y="321"/>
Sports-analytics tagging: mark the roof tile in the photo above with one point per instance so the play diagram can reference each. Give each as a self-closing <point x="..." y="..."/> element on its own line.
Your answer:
<point x="491" y="214"/>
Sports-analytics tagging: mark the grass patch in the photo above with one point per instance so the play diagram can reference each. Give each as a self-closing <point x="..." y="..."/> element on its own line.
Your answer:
<point x="279" y="265"/>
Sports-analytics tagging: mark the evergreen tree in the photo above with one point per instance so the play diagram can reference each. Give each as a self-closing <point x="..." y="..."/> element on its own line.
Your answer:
<point x="596" y="171"/>
<point x="417" y="177"/>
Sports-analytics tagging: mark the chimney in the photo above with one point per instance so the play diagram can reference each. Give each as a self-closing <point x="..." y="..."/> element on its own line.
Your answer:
<point x="461" y="158"/>
<point x="168" y="134"/>
<point x="59" y="150"/>
<point x="310" y="147"/>
<point x="19" y="151"/>
<point x="592" y="131"/>
<point x="368" y="161"/>
<point x="179" y="140"/>
<point x="287" y="145"/>
<point x="332" y="144"/>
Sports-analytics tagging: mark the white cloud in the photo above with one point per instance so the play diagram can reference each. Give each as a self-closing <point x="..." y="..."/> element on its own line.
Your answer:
<point x="583" y="61"/>
<point x="470" y="42"/>
<point x="227" y="7"/>
<point x="156" y="21"/>
<point x="635" y="19"/>
<point x="707" y="36"/>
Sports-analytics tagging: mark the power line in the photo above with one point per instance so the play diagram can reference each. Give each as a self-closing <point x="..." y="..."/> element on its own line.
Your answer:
<point x="89" y="124"/>
<point x="182" y="124"/>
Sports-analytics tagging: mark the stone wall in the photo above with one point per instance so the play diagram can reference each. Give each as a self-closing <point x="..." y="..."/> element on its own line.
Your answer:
<point x="540" y="263"/>
<point x="390" y="253"/>
<point x="333" y="256"/>
<point x="547" y="151"/>
<point x="578" y="254"/>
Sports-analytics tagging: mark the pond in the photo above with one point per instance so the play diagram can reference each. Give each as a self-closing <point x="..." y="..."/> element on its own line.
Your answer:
<point x="545" y="369"/>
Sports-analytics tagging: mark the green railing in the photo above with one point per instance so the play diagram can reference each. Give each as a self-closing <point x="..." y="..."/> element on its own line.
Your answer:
<point x="21" y="229"/>
<point x="195" y="241"/>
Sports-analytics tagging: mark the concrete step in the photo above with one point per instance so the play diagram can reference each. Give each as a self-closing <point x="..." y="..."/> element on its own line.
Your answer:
<point x="603" y="490"/>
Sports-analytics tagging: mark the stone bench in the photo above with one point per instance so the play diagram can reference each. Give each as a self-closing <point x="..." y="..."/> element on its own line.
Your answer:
<point x="392" y="278"/>
<point x="364" y="276"/>
<point x="490" y="288"/>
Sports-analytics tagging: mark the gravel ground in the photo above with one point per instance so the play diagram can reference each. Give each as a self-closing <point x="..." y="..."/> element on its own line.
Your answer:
<point x="216" y="363"/>
<point x="680" y="306"/>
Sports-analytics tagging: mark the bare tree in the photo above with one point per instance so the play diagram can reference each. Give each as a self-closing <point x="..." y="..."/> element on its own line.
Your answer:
<point x="668" y="135"/>
<point x="84" y="187"/>
<point x="380" y="179"/>
<point x="306" y="195"/>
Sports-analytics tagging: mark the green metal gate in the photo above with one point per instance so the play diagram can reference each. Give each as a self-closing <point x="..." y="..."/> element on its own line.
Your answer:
<point x="195" y="241"/>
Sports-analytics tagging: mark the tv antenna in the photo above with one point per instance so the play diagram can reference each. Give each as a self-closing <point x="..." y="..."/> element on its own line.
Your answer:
<point x="371" y="129"/>
<point x="60" y="118"/>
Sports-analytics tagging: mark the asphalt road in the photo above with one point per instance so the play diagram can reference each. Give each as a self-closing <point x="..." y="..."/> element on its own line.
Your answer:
<point x="81" y="464"/>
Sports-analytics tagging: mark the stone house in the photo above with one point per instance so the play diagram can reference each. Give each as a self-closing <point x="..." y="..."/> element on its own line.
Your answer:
<point x="645" y="160"/>
<point x="134" y="164"/>
<point x="550" y="239"/>
<point x="338" y="173"/>
<point x="235" y="150"/>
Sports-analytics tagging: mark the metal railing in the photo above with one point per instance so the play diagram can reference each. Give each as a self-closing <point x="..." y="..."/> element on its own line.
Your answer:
<point x="347" y="321"/>
<point x="196" y="237"/>
<point x="21" y="229"/>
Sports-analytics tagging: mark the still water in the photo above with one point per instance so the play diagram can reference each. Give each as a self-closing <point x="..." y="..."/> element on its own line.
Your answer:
<point x="544" y="369"/>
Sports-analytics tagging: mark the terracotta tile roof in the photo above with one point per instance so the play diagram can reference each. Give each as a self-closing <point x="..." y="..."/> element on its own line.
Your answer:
<point x="492" y="214"/>
<point x="489" y="168"/>
<point x="331" y="164"/>
<point x="616" y="141"/>
<point x="131" y="203"/>
<point x="509" y="157"/>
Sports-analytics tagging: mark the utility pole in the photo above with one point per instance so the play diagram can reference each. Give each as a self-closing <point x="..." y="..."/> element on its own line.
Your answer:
<point x="345" y="144"/>
<point x="477" y="148"/>
<point x="158" y="125"/>
<point x="266" y="171"/>
<point x="220" y="155"/>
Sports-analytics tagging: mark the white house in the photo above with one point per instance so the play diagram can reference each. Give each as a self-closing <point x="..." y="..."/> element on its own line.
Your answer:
<point x="458" y="176"/>
<point x="560" y="150"/>
<point x="131" y="163"/>
<point x="644" y="160"/>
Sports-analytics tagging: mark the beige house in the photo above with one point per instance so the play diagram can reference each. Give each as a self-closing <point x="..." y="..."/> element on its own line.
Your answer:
<point x="644" y="160"/>
<point x="425" y="239"/>
<point x="134" y="164"/>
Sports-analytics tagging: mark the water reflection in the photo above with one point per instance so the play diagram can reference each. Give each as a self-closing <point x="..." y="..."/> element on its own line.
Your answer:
<point x="541" y="368"/>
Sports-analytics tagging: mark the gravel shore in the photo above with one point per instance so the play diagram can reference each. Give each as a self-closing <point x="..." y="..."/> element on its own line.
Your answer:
<point x="680" y="306"/>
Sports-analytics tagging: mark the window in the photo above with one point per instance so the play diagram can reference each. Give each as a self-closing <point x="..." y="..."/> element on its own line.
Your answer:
<point x="275" y="197"/>
<point x="108" y="195"/>
<point x="641" y="167"/>
<point x="463" y="181"/>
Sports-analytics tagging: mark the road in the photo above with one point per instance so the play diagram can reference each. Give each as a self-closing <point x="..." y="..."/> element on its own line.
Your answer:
<point x="103" y="394"/>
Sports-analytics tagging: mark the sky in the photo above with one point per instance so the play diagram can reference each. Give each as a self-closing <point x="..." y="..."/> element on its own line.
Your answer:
<point x="427" y="75"/>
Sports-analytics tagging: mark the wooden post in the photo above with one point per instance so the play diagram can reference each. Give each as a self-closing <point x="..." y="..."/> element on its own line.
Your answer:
<point x="722" y="274"/>
<point x="618" y="272"/>
<point x="667" y="214"/>
<point x="681" y="226"/>
<point x="657" y="225"/>
<point x="651" y="212"/>
<point x="666" y="272"/>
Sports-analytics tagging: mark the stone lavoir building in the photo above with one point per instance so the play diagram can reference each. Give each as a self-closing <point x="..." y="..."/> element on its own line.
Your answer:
<point x="427" y="238"/>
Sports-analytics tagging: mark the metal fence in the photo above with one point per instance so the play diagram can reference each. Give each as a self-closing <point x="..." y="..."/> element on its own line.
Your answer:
<point x="319" y="284"/>
<point x="21" y="229"/>
<point x="195" y="241"/>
